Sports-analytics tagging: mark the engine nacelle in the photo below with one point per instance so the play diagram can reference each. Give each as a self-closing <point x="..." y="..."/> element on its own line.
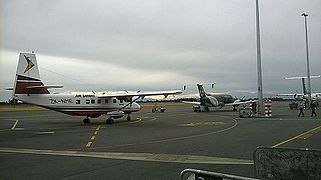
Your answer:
<point x="116" y="114"/>
<point x="214" y="101"/>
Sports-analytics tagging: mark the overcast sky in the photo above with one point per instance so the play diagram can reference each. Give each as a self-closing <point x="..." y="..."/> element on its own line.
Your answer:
<point x="161" y="44"/>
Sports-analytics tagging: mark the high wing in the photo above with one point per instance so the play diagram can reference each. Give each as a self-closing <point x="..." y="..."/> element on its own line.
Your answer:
<point x="139" y="94"/>
<point x="297" y="94"/>
<point x="290" y="94"/>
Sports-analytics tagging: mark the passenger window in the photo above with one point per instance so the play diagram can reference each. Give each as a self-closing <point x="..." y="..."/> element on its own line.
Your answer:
<point x="99" y="101"/>
<point x="106" y="101"/>
<point x="114" y="100"/>
<point x="87" y="101"/>
<point x="121" y="101"/>
<point x="77" y="101"/>
<point x="93" y="101"/>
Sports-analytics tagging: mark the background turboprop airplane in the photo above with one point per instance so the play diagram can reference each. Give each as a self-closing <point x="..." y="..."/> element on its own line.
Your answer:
<point x="29" y="88"/>
<point x="216" y="100"/>
<point x="304" y="95"/>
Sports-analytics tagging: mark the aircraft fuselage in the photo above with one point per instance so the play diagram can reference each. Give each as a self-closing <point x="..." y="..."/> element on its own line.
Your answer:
<point x="79" y="104"/>
<point x="214" y="100"/>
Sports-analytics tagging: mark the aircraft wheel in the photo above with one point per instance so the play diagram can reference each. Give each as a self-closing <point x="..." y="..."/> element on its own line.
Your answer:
<point x="129" y="118"/>
<point x="109" y="121"/>
<point x="86" y="120"/>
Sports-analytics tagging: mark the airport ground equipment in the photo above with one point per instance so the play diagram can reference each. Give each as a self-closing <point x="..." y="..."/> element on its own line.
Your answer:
<point x="196" y="174"/>
<point x="198" y="108"/>
<point x="293" y="105"/>
<point x="287" y="163"/>
<point x="157" y="108"/>
<point x="246" y="112"/>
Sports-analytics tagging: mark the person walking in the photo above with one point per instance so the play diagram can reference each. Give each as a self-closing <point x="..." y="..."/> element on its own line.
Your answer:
<point x="301" y="107"/>
<point x="313" y="106"/>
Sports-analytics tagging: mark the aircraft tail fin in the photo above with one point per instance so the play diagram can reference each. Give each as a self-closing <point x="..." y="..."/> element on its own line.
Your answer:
<point x="27" y="79"/>
<point x="201" y="91"/>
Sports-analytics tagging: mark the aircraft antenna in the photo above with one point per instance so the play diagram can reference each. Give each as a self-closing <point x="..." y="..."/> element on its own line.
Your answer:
<point x="70" y="78"/>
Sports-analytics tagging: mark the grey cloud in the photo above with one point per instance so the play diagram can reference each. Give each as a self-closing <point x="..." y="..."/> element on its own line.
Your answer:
<point x="209" y="40"/>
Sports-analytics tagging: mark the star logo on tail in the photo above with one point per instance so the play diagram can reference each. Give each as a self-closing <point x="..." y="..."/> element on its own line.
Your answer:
<point x="29" y="64"/>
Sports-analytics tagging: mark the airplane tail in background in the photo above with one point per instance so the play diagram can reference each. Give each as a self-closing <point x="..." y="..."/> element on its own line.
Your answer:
<point x="27" y="79"/>
<point x="303" y="81"/>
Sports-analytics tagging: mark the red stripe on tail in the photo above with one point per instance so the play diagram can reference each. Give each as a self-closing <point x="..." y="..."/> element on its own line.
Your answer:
<point x="24" y="82"/>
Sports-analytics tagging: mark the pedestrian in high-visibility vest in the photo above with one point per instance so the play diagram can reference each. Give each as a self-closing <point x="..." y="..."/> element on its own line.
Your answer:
<point x="301" y="107"/>
<point x="313" y="106"/>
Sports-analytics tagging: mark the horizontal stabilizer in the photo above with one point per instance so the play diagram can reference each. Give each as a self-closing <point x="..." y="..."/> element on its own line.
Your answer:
<point x="45" y="87"/>
<point x="302" y="77"/>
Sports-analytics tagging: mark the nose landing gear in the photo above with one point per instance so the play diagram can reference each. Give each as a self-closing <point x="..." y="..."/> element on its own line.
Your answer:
<point x="110" y="120"/>
<point x="86" y="120"/>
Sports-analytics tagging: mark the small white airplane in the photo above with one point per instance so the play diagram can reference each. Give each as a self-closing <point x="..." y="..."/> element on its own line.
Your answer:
<point x="304" y="95"/>
<point x="29" y="88"/>
<point x="217" y="100"/>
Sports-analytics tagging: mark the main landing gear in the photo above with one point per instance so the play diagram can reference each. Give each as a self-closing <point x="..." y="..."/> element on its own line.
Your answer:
<point x="86" y="120"/>
<point x="110" y="120"/>
<point x="234" y="108"/>
<point x="128" y="117"/>
<point x="207" y="109"/>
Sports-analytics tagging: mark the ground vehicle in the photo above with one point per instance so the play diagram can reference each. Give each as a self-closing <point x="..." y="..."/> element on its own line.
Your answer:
<point x="158" y="108"/>
<point x="198" y="108"/>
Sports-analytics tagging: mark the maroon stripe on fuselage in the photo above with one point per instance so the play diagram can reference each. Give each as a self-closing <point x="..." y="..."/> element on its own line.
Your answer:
<point x="90" y="111"/>
<point x="82" y="113"/>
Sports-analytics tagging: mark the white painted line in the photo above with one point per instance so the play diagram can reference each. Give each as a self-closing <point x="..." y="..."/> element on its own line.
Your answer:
<point x="210" y="123"/>
<point x="93" y="137"/>
<point x="97" y="129"/>
<point x="45" y="132"/>
<point x="153" y="157"/>
<point x="88" y="144"/>
<point x="14" y="126"/>
<point x="96" y="132"/>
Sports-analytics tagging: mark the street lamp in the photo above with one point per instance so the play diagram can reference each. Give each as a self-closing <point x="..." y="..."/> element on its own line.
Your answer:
<point x="259" y="67"/>
<point x="307" y="53"/>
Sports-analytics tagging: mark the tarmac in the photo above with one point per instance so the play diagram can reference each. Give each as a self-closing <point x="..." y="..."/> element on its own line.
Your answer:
<point x="43" y="144"/>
